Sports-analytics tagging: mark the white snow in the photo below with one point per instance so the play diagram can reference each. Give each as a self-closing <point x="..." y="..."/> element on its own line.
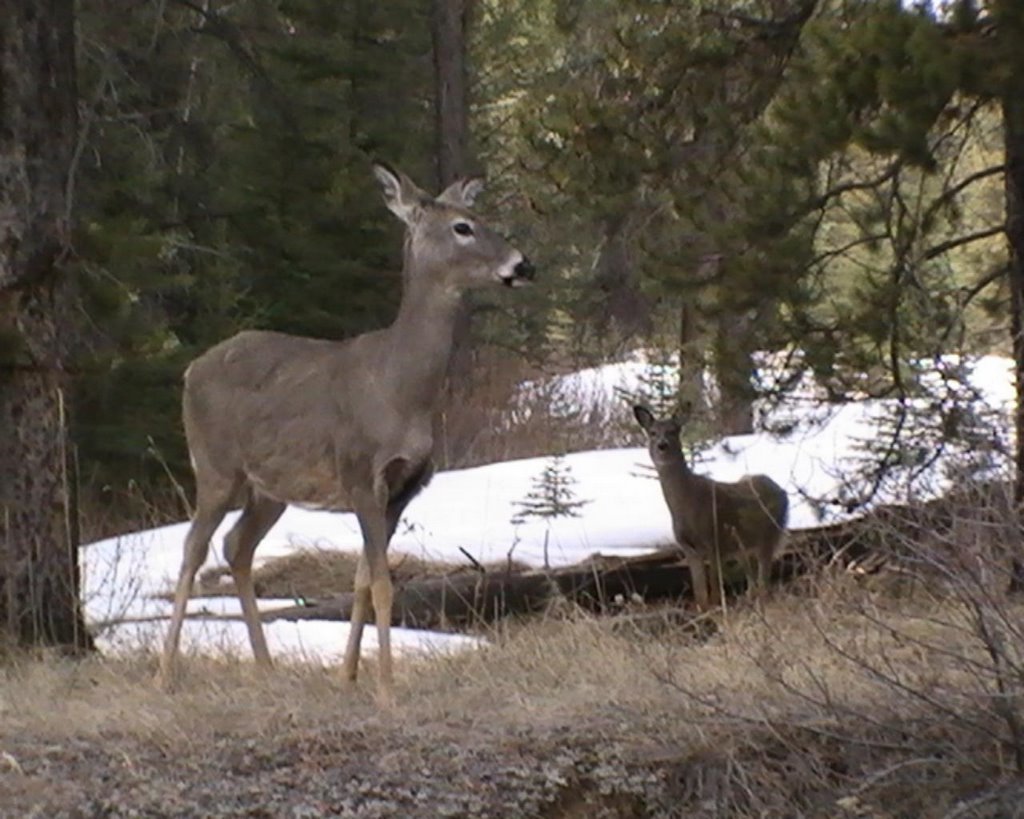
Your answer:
<point x="472" y="509"/>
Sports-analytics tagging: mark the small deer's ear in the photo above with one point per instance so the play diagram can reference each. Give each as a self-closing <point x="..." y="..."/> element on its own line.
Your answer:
<point x="643" y="416"/>
<point x="401" y="195"/>
<point x="462" y="192"/>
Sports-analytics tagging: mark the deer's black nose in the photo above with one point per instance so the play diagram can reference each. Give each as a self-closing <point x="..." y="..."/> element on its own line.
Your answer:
<point x="524" y="270"/>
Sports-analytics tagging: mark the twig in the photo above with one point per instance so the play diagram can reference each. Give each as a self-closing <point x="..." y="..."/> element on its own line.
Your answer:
<point x="476" y="563"/>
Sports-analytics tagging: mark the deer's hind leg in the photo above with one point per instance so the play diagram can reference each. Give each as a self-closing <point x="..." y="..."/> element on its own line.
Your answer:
<point x="258" y="516"/>
<point x="213" y="499"/>
<point x="758" y="565"/>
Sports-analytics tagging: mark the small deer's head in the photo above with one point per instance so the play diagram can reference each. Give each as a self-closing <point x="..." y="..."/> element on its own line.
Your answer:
<point x="662" y="436"/>
<point x="445" y="239"/>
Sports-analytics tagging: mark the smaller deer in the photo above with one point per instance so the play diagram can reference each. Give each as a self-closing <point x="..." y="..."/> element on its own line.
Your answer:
<point x="714" y="521"/>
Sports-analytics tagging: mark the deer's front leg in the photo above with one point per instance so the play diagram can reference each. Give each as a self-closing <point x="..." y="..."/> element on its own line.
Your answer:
<point x="698" y="575"/>
<point x="373" y="585"/>
<point x="360" y="609"/>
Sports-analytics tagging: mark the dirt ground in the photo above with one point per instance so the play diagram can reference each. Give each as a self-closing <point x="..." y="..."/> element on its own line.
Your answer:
<point x="387" y="772"/>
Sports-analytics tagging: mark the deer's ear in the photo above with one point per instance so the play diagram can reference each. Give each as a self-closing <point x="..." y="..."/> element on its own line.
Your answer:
<point x="643" y="416"/>
<point x="462" y="193"/>
<point x="401" y="195"/>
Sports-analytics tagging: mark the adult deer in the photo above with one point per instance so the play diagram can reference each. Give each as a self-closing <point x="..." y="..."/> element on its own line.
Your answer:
<point x="273" y="419"/>
<point x="714" y="521"/>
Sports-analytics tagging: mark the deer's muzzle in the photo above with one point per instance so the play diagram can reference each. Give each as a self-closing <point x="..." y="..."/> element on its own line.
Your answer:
<point x="521" y="274"/>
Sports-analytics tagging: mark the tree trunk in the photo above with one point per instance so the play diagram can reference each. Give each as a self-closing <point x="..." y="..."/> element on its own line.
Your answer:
<point x="691" y="358"/>
<point x="734" y="369"/>
<point x="451" y="97"/>
<point x="621" y="305"/>
<point x="38" y="537"/>
<point x="448" y="24"/>
<point x="1011" y="28"/>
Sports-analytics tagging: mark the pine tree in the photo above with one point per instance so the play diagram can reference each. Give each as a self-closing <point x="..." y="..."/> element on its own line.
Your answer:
<point x="551" y="496"/>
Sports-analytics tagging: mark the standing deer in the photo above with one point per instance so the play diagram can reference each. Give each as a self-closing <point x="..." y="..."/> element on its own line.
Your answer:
<point x="714" y="521"/>
<point x="273" y="419"/>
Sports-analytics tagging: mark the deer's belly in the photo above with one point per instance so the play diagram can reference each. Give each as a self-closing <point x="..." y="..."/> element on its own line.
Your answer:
<point x="707" y="545"/>
<point x="317" y="486"/>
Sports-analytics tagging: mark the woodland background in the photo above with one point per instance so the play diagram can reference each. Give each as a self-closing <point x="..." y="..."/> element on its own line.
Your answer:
<point x="799" y="200"/>
<point x="824" y="180"/>
<point x="751" y="191"/>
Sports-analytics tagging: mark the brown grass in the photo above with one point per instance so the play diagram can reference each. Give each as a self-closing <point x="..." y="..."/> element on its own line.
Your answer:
<point x="894" y="690"/>
<point x="847" y="703"/>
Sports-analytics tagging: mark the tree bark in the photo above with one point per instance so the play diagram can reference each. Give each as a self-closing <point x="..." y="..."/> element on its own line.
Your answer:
<point x="621" y="305"/>
<point x="448" y="23"/>
<point x="451" y="99"/>
<point x="1011" y="28"/>
<point x="38" y="536"/>
<point x="691" y="358"/>
<point x="734" y="370"/>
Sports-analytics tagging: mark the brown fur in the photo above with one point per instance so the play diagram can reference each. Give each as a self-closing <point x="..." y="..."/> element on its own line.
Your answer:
<point x="273" y="419"/>
<point x="713" y="521"/>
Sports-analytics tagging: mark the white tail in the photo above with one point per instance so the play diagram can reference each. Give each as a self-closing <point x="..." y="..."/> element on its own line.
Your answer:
<point x="273" y="419"/>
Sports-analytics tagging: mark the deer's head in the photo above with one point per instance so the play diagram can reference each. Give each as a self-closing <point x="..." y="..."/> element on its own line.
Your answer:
<point x="662" y="435"/>
<point x="445" y="240"/>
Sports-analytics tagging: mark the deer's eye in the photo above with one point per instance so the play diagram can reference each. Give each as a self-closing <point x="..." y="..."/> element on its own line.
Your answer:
<point x="463" y="228"/>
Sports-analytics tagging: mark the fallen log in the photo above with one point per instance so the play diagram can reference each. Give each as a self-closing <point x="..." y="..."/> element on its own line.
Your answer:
<point x="454" y="601"/>
<point x="601" y="584"/>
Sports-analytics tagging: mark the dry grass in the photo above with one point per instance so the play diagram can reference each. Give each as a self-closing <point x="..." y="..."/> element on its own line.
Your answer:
<point x="898" y="692"/>
<point x="848" y="695"/>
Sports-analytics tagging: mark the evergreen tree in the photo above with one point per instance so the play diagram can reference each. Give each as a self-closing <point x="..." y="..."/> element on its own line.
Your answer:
<point x="552" y="496"/>
<point x="223" y="183"/>
<point x="899" y="124"/>
<point x="638" y="144"/>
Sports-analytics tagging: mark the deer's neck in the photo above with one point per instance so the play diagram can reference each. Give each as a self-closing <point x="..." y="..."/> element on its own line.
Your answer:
<point x="677" y="481"/>
<point x="422" y="338"/>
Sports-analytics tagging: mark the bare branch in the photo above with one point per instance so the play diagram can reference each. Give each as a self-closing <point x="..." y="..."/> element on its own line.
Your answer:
<point x="959" y="241"/>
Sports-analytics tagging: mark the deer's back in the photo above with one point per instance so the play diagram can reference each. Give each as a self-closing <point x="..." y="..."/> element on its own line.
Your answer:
<point x="747" y="514"/>
<point x="256" y="376"/>
<point x="298" y="417"/>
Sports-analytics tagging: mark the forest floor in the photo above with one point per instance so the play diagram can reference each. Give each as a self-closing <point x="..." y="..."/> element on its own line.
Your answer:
<point x="842" y="696"/>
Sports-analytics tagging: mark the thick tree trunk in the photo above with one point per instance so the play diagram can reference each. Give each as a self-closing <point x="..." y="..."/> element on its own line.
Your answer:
<point x="1011" y="29"/>
<point x="621" y="305"/>
<point x="38" y="538"/>
<point x="734" y="370"/>
<point x="451" y="100"/>
<point x="449" y="20"/>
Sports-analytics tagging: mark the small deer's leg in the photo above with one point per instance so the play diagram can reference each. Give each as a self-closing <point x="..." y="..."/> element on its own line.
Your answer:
<point x="715" y="579"/>
<point x="698" y="577"/>
<point x="765" y="554"/>
<point x="260" y="513"/>
<point x="209" y="514"/>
